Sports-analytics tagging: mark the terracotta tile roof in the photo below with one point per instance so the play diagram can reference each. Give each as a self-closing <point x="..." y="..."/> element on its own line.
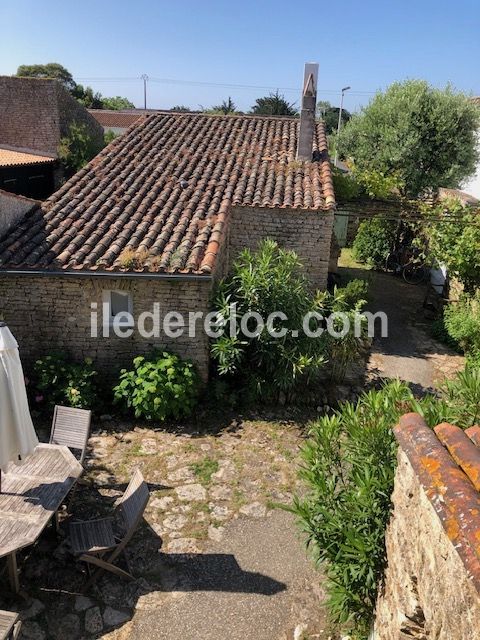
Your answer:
<point x="11" y="158"/>
<point x="110" y="118"/>
<point x="446" y="461"/>
<point x="161" y="194"/>
<point x="465" y="198"/>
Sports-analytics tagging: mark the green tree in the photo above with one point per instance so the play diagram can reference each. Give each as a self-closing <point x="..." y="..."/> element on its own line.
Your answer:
<point x="84" y="95"/>
<point x="329" y="115"/>
<point x="109" y="136"/>
<point x="50" y="70"/>
<point x="180" y="108"/>
<point x="117" y="103"/>
<point x="227" y="106"/>
<point x="454" y="239"/>
<point x="425" y="136"/>
<point x="274" y="105"/>
<point x="77" y="148"/>
<point x="87" y="97"/>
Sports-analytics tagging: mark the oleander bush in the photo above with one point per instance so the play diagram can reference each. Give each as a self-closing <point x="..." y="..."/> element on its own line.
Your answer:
<point x="158" y="387"/>
<point x="348" y="467"/>
<point x="462" y="322"/>
<point x="268" y="281"/>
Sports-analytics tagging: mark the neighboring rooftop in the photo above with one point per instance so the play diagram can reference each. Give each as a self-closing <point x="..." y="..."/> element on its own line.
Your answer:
<point x="115" y="119"/>
<point x="161" y="194"/>
<point x="11" y="158"/>
<point x="447" y="463"/>
<point x="465" y="198"/>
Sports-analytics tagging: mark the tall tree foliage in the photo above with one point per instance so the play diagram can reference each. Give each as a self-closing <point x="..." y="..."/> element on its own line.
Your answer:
<point x="329" y="114"/>
<point x="226" y="107"/>
<point x="84" y="95"/>
<point x="426" y="136"/>
<point x="274" y="105"/>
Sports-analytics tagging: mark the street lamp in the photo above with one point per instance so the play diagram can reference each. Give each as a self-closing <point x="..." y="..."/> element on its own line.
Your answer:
<point x="339" y="124"/>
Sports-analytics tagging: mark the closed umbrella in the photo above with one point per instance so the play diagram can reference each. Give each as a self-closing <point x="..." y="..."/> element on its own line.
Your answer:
<point x="17" y="435"/>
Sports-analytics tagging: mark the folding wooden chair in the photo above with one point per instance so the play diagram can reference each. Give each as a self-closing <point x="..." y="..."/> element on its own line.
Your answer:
<point x="97" y="543"/>
<point x="71" y="427"/>
<point x="9" y="625"/>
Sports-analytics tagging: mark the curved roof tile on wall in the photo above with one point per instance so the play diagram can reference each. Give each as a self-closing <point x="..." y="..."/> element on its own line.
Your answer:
<point x="156" y="199"/>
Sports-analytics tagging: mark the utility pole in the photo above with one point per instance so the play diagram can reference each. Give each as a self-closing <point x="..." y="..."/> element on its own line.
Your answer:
<point x="339" y="125"/>
<point x="144" y="77"/>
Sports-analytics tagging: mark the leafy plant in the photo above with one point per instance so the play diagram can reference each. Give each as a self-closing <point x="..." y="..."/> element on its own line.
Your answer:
<point x="274" y="105"/>
<point x="374" y="241"/>
<point x="205" y="469"/>
<point x="265" y="282"/>
<point x="78" y="148"/>
<point x="59" y="380"/>
<point x="424" y="136"/>
<point x="462" y="321"/>
<point x="454" y="240"/>
<point x="158" y="387"/>
<point x="348" y="467"/>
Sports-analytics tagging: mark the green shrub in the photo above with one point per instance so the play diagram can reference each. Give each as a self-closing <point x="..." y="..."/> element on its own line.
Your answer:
<point x="374" y="241"/>
<point x="462" y="322"/>
<point x="348" y="467"/>
<point x="454" y="240"/>
<point x="159" y="387"/>
<point x="59" y="380"/>
<point x="265" y="282"/>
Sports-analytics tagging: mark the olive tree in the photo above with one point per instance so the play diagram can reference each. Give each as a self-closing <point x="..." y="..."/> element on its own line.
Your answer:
<point x="424" y="136"/>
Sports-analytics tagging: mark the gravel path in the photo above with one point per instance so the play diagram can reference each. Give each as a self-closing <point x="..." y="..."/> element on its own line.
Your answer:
<point x="409" y="352"/>
<point x="256" y="583"/>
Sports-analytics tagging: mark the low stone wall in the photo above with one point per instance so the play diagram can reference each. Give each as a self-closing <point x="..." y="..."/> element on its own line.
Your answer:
<point x="431" y="588"/>
<point x="308" y="233"/>
<point x="48" y="313"/>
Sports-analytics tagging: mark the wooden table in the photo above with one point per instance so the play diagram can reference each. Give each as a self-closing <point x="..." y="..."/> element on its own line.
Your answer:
<point x="31" y="494"/>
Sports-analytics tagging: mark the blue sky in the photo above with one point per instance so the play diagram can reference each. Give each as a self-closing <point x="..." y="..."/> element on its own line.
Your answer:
<point x="365" y="44"/>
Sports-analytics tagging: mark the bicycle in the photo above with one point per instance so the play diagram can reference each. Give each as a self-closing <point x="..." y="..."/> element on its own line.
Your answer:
<point x="407" y="263"/>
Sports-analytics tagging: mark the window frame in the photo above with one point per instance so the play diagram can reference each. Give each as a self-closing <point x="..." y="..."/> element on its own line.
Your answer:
<point x="107" y="300"/>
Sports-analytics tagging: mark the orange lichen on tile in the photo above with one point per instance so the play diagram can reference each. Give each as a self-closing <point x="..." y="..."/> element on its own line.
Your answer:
<point x="474" y="434"/>
<point x="447" y="464"/>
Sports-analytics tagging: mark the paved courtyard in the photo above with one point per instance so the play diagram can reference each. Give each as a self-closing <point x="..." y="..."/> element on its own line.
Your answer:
<point x="214" y="556"/>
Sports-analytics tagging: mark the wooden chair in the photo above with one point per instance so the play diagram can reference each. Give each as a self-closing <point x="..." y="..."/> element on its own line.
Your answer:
<point x="97" y="542"/>
<point x="71" y="427"/>
<point x="9" y="625"/>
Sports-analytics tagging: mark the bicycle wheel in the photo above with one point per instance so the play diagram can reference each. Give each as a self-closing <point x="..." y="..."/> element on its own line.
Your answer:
<point x="414" y="273"/>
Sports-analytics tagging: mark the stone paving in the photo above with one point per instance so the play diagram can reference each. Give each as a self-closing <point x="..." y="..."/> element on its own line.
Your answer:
<point x="200" y="484"/>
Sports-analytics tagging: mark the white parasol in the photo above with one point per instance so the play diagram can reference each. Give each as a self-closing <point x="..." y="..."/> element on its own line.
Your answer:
<point x="17" y="435"/>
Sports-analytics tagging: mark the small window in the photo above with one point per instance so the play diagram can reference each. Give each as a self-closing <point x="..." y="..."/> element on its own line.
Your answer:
<point x="118" y="303"/>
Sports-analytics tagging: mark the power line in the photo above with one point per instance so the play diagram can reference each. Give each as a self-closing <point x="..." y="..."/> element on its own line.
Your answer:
<point x="223" y="85"/>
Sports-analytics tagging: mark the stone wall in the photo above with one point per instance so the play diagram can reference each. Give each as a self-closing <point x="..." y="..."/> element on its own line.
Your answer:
<point x="431" y="582"/>
<point x="12" y="208"/>
<point x="53" y="313"/>
<point x="306" y="232"/>
<point x="35" y="113"/>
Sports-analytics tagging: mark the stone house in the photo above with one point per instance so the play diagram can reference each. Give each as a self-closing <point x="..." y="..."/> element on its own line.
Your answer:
<point x="157" y="217"/>
<point x="35" y="113"/>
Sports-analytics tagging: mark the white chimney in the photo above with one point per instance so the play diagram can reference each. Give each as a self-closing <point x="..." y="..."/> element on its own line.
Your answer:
<point x="307" y="113"/>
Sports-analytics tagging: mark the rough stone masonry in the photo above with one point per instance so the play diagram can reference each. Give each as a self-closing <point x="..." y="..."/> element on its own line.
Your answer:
<point x="431" y="589"/>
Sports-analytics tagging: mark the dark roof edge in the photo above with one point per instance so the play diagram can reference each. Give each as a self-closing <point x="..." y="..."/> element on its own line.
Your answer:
<point x="106" y="274"/>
